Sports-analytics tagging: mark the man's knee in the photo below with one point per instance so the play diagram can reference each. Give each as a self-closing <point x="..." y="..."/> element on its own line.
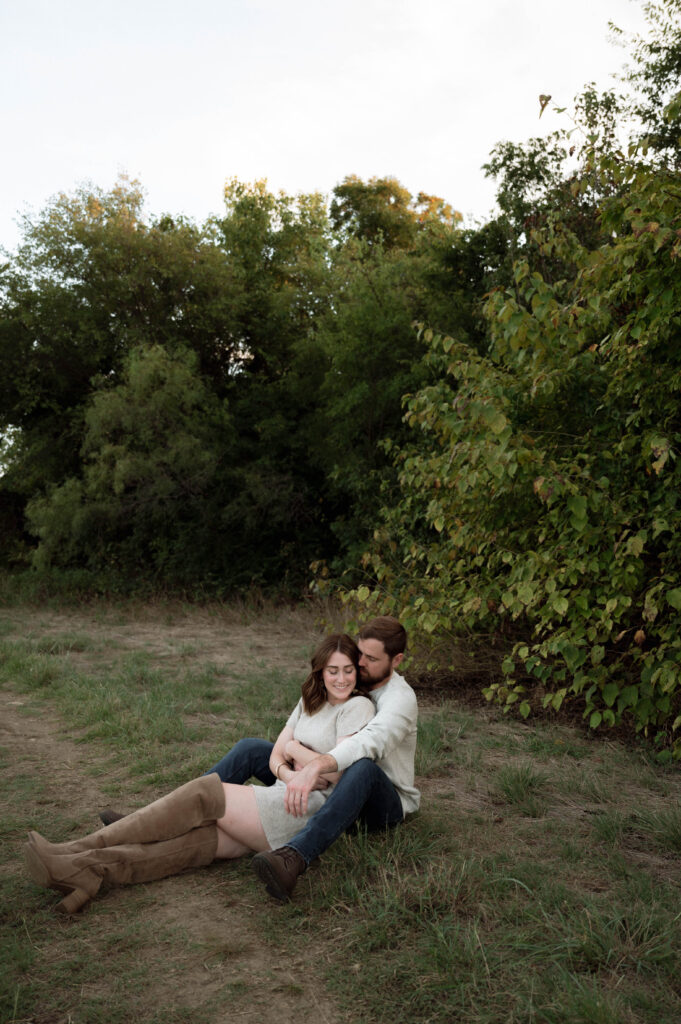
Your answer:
<point x="364" y="768"/>
<point x="248" y="757"/>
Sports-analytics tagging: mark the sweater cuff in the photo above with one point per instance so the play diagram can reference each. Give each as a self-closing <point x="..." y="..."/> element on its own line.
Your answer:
<point x="344" y="754"/>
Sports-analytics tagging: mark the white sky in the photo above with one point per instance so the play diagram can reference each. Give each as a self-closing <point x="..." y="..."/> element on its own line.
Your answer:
<point x="184" y="95"/>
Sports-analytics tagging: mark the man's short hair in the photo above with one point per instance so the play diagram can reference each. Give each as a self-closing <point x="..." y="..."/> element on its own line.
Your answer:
<point x="389" y="631"/>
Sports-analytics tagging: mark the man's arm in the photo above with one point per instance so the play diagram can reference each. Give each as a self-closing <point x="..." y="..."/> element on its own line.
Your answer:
<point x="394" y="721"/>
<point x="301" y="755"/>
<point x="299" y="788"/>
<point x="301" y="784"/>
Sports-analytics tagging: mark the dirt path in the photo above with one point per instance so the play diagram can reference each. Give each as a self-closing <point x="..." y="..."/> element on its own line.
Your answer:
<point x="224" y="953"/>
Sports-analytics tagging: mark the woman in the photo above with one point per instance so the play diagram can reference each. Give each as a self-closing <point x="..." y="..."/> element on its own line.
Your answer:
<point x="207" y="819"/>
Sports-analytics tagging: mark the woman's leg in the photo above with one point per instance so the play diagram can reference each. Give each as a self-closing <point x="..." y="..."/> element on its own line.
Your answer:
<point x="80" y="874"/>
<point x="239" y="829"/>
<point x="197" y="803"/>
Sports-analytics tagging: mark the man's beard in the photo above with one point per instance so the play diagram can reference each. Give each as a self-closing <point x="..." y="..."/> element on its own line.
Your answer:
<point x="368" y="682"/>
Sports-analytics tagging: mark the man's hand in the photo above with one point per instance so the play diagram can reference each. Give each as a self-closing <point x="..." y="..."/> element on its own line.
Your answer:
<point x="299" y="787"/>
<point x="321" y="782"/>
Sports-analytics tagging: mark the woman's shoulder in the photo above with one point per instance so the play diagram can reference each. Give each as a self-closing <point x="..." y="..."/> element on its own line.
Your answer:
<point x="357" y="709"/>
<point x="360" y="700"/>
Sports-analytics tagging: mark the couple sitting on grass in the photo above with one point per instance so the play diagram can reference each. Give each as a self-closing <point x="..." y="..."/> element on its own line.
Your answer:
<point x="345" y="755"/>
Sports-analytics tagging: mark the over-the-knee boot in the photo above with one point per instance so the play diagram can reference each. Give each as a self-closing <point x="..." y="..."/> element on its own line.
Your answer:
<point x="196" y="803"/>
<point x="81" y="873"/>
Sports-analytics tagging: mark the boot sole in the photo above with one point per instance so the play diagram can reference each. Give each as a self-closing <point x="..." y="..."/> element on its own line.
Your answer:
<point x="263" y="870"/>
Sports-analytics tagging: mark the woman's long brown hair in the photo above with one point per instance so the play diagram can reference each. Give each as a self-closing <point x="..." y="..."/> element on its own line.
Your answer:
<point x="314" y="691"/>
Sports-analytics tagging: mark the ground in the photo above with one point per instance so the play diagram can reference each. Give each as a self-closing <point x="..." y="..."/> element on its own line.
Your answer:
<point x="539" y="881"/>
<point x="215" y="909"/>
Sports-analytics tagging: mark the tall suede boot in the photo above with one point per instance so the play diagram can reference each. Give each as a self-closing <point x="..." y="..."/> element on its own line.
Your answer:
<point x="80" y="874"/>
<point x="196" y="803"/>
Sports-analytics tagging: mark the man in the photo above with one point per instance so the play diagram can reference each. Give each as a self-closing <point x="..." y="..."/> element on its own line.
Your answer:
<point x="377" y="784"/>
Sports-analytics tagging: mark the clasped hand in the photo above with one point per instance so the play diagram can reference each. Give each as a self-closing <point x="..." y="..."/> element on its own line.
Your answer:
<point x="298" y="789"/>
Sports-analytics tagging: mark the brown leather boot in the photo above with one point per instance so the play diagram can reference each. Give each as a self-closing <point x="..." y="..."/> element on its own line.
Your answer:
<point x="198" y="802"/>
<point x="279" y="870"/>
<point x="108" y="816"/>
<point x="80" y="874"/>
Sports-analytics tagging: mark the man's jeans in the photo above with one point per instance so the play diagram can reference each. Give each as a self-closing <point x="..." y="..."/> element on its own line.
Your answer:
<point x="246" y="760"/>
<point x="364" y="793"/>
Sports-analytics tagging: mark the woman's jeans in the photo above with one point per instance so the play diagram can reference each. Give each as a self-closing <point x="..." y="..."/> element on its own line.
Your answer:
<point x="364" y="793"/>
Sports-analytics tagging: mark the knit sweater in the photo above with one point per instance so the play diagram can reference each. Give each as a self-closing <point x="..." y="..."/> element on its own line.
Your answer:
<point x="389" y="739"/>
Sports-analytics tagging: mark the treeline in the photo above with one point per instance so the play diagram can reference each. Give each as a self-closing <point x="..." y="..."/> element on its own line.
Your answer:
<point x="220" y="406"/>
<point x="206" y="406"/>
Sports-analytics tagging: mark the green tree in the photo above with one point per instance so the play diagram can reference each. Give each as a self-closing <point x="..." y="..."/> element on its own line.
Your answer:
<point x="538" y="497"/>
<point x="540" y="500"/>
<point x="151" y="449"/>
<point x="90" y="282"/>
<point x="653" y="79"/>
<point x="386" y="271"/>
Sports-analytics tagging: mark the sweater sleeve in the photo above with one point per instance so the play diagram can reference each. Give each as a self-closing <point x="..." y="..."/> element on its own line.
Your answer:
<point x="354" y="715"/>
<point x="295" y="715"/>
<point x="396" y="719"/>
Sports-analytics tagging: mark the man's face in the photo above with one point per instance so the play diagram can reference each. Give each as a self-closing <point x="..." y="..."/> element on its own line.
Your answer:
<point x="375" y="666"/>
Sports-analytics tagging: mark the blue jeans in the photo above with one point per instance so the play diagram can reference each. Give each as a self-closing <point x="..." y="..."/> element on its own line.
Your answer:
<point x="248" y="759"/>
<point x="364" y="793"/>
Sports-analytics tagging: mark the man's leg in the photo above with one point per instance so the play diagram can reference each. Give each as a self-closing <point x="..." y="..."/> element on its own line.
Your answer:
<point x="365" y="792"/>
<point x="249" y="758"/>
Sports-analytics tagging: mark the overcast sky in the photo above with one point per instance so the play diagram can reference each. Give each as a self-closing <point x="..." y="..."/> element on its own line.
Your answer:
<point x="184" y="94"/>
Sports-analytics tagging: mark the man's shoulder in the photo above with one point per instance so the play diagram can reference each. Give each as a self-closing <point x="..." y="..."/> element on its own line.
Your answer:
<point x="397" y="688"/>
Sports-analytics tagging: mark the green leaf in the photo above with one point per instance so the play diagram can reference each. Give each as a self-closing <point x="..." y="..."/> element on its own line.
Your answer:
<point x="597" y="654"/>
<point x="576" y="503"/>
<point x="610" y="693"/>
<point x="498" y="423"/>
<point x="595" y="720"/>
<point x="557" y="700"/>
<point x="674" y="598"/>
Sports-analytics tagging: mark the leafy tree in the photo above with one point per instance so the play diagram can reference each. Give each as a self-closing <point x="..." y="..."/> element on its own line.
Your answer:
<point x="538" y="497"/>
<point x="541" y="499"/>
<point x="90" y="282"/>
<point x="376" y="211"/>
<point x="653" y="78"/>
<point x="151" y="450"/>
<point x="382" y="210"/>
<point x="278" y="251"/>
<point x="386" y="271"/>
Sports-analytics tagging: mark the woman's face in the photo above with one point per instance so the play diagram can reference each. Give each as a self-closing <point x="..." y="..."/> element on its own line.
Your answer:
<point x="339" y="677"/>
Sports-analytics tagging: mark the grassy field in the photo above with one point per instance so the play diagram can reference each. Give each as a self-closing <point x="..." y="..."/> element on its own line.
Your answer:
<point x="539" y="882"/>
